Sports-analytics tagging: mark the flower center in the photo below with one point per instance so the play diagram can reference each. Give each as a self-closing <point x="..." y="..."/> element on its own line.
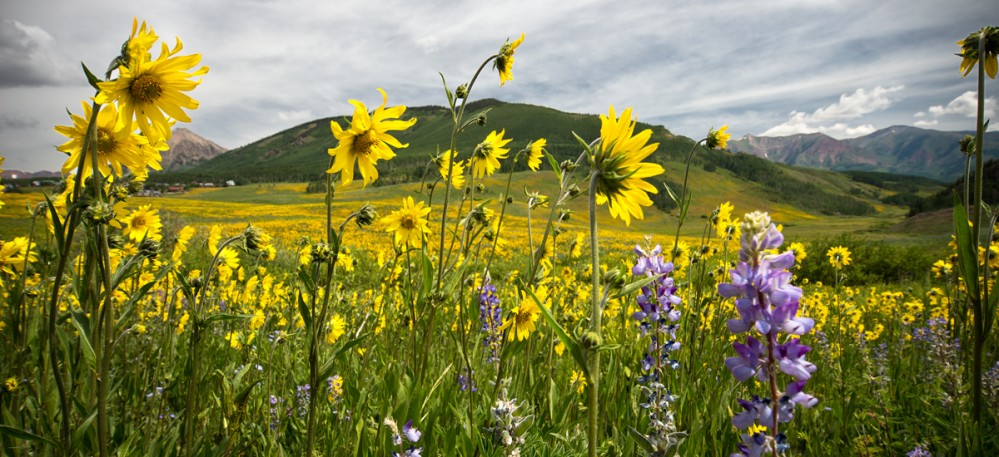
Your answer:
<point x="365" y="142"/>
<point x="408" y="222"/>
<point x="523" y="317"/>
<point x="146" y="88"/>
<point x="139" y="223"/>
<point x="106" y="142"/>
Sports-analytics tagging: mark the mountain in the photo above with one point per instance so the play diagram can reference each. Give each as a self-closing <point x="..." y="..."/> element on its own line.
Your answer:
<point x="897" y="149"/>
<point x="300" y="153"/>
<point x="18" y="174"/>
<point x="188" y="149"/>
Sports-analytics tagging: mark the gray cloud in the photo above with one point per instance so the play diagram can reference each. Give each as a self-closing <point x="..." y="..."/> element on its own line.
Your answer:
<point x="17" y="122"/>
<point x="745" y="63"/>
<point x="30" y="56"/>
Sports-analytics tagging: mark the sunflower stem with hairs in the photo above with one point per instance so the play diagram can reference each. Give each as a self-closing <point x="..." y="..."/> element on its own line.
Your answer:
<point x="979" y="48"/>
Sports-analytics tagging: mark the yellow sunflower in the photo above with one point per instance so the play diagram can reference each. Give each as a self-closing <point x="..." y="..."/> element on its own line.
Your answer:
<point x="504" y="60"/>
<point x="409" y="223"/>
<point x="969" y="51"/>
<point x="485" y="158"/>
<point x="718" y="139"/>
<point x="14" y="254"/>
<point x="143" y="222"/>
<point x="141" y="41"/>
<point x="117" y="146"/>
<point x="839" y="256"/>
<point x="152" y="92"/>
<point x="443" y="162"/>
<point x="521" y="320"/>
<point x="535" y="151"/>
<point x="367" y="141"/>
<point x="621" y="180"/>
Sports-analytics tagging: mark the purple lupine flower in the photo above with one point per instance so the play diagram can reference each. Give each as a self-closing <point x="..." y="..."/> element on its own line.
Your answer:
<point x="411" y="433"/>
<point x="491" y="316"/>
<point x="747" y="363"/>
<point x="768" y="302"/>
<point x="792" y="360"/>
<point x="657" y="315"/>
<point x="756" y="410"/>
<point x="918" y="451"/>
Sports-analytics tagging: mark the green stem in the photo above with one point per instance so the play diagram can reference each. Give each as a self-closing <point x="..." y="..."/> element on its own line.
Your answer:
<point x="595" y="316"/>
<point x="684" y="202"/>
<point x="979" y="301"/>
<point x="72" y="220"/>
<point x="450" y="172"/>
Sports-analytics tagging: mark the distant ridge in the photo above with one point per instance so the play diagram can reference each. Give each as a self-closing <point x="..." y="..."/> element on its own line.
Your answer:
<point x="898" y="150"/>
<point x="188" y="149"/>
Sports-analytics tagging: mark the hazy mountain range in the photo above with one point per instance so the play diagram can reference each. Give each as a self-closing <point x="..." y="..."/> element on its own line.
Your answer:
<point x="897" y="149"/>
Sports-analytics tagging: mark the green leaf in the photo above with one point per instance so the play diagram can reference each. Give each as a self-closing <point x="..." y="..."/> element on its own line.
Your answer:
<point x="428" y="275"/>
<point x="79" y="318"/>
<point x="306" y="278"/>
<point x="91" y="78"/>
<point x="303" y="310"/>
<point x="582" y="142"/>
<point x="328" y="367"/>
<point x="641" y="440"/>
<point x="967" y="255"/>
<point x="23" y="435"/>
<point x="245" y="393"/>
<point x="555" y="167"/>
<point x="574" y="349"/>
<point x="629" y="288"/>
<point x="672" y="196"/>
<point x="56" y="224"/>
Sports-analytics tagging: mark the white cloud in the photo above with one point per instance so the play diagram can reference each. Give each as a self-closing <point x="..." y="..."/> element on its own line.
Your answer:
<point x="926" y="124"/>
<point x="965" y="105"/>
<point x="850" y="106"/>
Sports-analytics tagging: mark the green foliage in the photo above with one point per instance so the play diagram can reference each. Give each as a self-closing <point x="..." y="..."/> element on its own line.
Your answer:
<point x="944" y="198"/>
<point x="784" y="188"/>
<point x="872" y="262"/>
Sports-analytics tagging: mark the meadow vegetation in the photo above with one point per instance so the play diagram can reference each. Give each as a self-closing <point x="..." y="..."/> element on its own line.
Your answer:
<point x="483" y="301"/>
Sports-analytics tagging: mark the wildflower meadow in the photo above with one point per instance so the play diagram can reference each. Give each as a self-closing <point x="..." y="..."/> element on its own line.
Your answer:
<point x="464" y="314"/>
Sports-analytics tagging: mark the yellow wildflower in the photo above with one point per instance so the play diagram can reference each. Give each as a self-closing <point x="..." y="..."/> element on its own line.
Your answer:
<point x="367" y="140"/>
<point x="504" y="60"/>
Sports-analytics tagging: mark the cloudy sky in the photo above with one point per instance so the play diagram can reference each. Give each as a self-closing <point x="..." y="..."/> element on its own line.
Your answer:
<point x="770" y="67"/>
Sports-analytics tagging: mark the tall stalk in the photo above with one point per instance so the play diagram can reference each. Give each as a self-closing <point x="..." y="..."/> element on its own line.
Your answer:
<point x="593" y="351"/>
<point x="979" y="303"/>
<point x="72" y="220"/>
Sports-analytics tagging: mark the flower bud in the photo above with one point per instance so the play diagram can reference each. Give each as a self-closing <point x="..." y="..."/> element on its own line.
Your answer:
<point x="253" y="238"/>
<point x="149" y="248"/>
<point x="99" y="213"/>
<point x="321" y="253"/>
<point x="967" y="145"/>
<point x="366" y="215"/>
<point x="461" y="92"/>
<point x="481" y="120"/>
<point x="591" y="340"/>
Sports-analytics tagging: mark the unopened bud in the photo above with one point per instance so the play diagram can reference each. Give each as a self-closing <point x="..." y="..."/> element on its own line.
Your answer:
<point x="99" y="213"/>
<point x="461" y="92"/>
<point x="149" y="248"/>
<point x="321" y="253"/>
<point x="366" y="215"/>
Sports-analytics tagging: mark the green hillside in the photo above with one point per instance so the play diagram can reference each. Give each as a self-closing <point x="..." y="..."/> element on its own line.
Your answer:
<point x="299" y="154"/>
